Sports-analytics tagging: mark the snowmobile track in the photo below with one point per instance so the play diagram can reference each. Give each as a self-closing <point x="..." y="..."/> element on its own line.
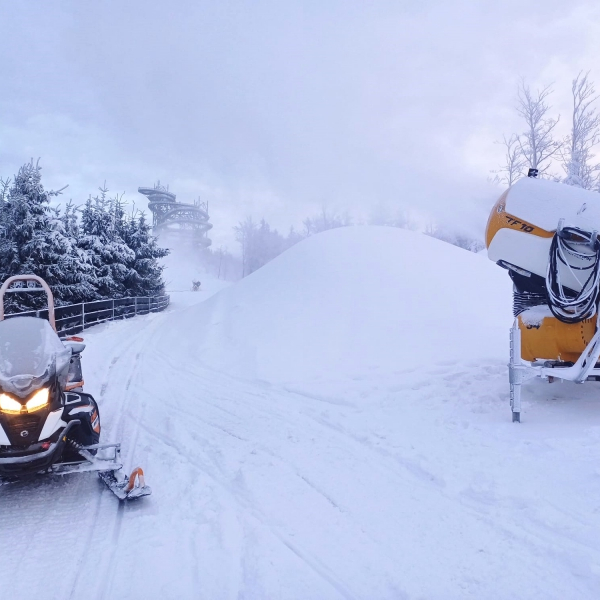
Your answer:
<point x="117" y="371"/>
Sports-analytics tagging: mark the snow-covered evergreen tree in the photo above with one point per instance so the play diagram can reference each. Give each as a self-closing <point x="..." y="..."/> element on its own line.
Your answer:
<point x="123" y="251"/>
<point x="101" y="220"/>
<point x="145" y="272"/>
<point x="69" y="271"/>
<point x="102" y="254"/>
<point x="34" y="241"/>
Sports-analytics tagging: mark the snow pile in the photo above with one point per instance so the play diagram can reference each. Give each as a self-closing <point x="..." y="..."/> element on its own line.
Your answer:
<point x="352" y="300"/>
<point x="543" y="203"/>
<point x="535" y="315"/>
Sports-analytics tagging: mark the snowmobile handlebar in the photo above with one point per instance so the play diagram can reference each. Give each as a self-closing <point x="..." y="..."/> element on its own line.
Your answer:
<point x="44" y="288"/>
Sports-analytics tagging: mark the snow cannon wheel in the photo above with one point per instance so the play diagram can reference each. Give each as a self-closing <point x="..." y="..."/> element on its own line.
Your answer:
<point x="516" y="417"/>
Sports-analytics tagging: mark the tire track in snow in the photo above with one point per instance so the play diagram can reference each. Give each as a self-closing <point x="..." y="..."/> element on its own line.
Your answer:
<point x="244" y="395"/>
<point x="108" y="576"/>
<point x="414" y="471"/>
<point x="102" y="493"/>
<point x="72" y="503"/>
<point x="116" y="425"/>
<point x="529" y="539"/>
<point x="250" y="509"/>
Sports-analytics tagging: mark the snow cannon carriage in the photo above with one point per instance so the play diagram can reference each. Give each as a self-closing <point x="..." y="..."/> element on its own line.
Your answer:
<point x="546" y="235"/>
<point x="48" y="424"/>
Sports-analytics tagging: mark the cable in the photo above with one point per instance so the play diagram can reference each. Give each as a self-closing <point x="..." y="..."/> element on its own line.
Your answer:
<point x="578" y="250"/>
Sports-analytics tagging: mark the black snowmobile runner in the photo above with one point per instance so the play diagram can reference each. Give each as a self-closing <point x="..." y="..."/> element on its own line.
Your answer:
<point x="47" y="423"/>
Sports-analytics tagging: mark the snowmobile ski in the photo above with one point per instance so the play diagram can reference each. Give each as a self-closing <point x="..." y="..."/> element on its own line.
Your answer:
<point x="126" y="487"/>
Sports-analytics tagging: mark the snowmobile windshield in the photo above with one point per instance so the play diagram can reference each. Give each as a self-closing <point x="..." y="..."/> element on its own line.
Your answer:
<point x="30" y="352"/>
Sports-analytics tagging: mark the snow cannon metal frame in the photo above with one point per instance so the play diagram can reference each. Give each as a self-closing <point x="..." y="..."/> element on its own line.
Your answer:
<point x="546" y="235"/>
<point x="60" y="434"/>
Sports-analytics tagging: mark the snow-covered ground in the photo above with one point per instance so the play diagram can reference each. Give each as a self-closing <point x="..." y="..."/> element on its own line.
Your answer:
<point x="334" y="426"/>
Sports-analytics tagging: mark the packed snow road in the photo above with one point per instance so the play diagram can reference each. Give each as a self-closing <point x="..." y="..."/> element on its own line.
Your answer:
<point x="384" y="483"/>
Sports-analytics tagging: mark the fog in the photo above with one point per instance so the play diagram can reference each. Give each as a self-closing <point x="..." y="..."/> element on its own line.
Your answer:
<point x="274" y="109"/>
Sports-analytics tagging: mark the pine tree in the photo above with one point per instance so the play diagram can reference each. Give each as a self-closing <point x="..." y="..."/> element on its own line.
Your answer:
<point x="145" y="273"/>
<point x="33" y="241"/>
<point x="100" y="228"/>
<point x="69" y="271"/>
<point x="123" y="250"/>
<point x="101" y="255"/>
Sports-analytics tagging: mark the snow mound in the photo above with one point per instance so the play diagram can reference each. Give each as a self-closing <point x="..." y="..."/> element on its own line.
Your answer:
<point x="350" y="301"/>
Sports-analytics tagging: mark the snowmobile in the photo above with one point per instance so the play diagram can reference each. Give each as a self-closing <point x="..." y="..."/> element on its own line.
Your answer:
<point x="546" y="235"/>
<point x="48" y="424"/>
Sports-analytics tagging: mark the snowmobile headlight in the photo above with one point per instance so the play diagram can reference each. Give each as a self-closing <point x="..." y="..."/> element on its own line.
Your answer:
<point x="38" y="400"/>
<point x="9" y="405"/>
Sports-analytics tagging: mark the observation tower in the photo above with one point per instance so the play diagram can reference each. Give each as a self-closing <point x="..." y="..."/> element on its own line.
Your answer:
<point x="184" y="221"/>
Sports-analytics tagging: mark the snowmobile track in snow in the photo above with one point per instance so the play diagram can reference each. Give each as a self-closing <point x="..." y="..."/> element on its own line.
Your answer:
<point x="120" y="400"/>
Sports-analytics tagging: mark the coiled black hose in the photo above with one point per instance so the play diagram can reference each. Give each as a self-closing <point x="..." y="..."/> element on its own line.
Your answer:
<point x="579" y="251"/>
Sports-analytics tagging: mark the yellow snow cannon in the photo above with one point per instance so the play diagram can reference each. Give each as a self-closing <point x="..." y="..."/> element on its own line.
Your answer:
<point x="546" y="235"/>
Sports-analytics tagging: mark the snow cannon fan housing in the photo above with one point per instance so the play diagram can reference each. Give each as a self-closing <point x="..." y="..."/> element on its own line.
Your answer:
<point x="545" y="234"/>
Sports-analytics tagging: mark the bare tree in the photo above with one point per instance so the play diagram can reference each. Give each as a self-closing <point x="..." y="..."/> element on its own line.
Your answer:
<point x="460" y="239"/>
<point x="585" y="134"/>
<point x="220" y="252"/>
<point x="536" y="144"/>
<point x="514" y="161"/>
<point x="260" y="244"/>
<point x="380" y="215"/>
<point x="325" y="220"/>
<point x="245" y="232"/>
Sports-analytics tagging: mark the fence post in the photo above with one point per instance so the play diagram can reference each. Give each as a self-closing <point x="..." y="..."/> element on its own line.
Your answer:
<point x="113" y="310"/>
<point x="82" y="316"/>
<point x="135" y="305"/>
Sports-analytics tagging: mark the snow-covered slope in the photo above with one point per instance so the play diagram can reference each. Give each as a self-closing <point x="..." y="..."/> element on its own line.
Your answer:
<point x="183" y="265"/>
<point x="286" y="465"/>
<point x="353" y="300"/>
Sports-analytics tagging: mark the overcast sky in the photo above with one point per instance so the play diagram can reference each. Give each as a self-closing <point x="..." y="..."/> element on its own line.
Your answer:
<point x="273" y="108"/>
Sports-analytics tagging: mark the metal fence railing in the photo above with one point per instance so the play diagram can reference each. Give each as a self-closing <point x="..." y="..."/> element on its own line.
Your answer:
<point x="73" y="318"/>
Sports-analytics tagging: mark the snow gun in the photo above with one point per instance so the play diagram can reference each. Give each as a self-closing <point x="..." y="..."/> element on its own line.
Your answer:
<point x="546" y="235"/>
<point x="48" y="424"/>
